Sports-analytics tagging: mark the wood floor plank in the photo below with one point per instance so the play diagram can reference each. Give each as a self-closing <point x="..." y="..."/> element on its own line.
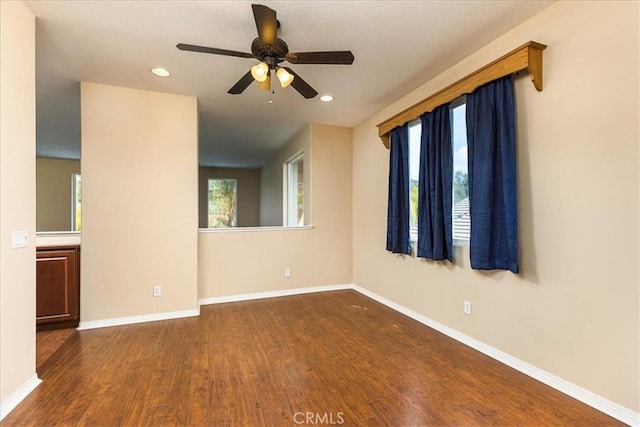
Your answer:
<point x="330" y="358"/>
<point x="47" y="344"/>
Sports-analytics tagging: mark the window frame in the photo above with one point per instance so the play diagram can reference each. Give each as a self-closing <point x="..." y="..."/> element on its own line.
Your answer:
<point x="413" y="231"/>
<point x="76" y="206"/>
<point x="292" y="185"/>
<point x="457" y="241"/>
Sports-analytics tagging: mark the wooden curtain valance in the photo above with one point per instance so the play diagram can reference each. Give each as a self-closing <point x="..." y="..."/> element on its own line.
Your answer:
<point x="526" y="57"/>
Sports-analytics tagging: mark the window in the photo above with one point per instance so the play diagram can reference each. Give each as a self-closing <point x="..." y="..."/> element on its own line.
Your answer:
<point x="414" y="176"/>
<point x="461" y="218"/>
<point x="294" y="198"/>
<point x="460" y="210"/>
<point x="222" y="212"/>
<point x="76" y="202"/>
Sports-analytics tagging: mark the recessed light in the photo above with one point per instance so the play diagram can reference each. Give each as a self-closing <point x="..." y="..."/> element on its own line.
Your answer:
<point x="326" y="98"/>
<point x="160" y="72"/>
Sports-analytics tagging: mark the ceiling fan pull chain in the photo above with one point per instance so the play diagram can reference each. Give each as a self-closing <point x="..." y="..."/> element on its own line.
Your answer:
<point x="271" y="92"/>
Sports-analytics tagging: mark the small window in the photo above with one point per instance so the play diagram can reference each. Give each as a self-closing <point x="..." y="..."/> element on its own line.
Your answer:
<point x="222" y="212"/>
<point x="76" y="202"/>
<point x="461" y="217"/>
<point x="294" y="199"/>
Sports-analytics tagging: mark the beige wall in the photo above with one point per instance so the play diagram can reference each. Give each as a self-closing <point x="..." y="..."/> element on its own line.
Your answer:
<point x="247" y="193"/>
<point x="271" y="180"/>
<point x="17" y="197"/>
<point x="140" y="202"/>
<point x="574" y="309"/>
<point x="239" y="262"/>
<point x="53" y="193"/>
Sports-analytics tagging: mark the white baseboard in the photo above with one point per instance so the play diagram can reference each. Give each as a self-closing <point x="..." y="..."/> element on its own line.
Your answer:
<point x="594" y="400"/>
<point x="119" y="321"/>
<point x="273" y="294"/>
<point x="17" y="396"/>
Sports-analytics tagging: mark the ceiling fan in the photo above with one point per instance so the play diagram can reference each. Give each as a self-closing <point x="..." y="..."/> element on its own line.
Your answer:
<point x="271" y="51"/>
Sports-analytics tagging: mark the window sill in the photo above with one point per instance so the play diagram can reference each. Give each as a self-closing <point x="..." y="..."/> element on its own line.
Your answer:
<point x="253" y="229"/>
<point x="414" y="245"/>
<point x="456" y="242"/>
<point x="57" y="238"/>
<point x="461" y="243"/>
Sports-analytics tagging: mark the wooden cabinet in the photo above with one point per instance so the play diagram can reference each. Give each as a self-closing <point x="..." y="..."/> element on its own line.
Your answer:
<point x="57" y="287"/>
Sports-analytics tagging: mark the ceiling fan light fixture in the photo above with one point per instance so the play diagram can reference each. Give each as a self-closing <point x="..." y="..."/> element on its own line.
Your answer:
<point x="285" y="77"/>
<point x="326" y="98"/>
<point x="260" y="72"/>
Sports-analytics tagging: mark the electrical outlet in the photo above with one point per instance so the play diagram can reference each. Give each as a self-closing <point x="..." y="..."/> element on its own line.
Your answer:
<point x="467" y="308"/>
<point x="287" y="272"/>
<point x="157" y="291"/>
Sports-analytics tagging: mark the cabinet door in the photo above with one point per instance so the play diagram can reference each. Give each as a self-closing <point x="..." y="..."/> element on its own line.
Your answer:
<point x="57" y="285"/>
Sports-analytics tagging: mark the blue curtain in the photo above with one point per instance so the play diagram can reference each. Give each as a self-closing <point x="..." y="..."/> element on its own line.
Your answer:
<point x="435" y="239"/>
<point x="493" y="199"/>
<point x="398" y="204"/>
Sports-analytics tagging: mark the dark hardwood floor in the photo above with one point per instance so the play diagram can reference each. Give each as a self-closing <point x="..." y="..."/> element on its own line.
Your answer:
<point x="333" y="358"/>
<point x="48" y="343"/>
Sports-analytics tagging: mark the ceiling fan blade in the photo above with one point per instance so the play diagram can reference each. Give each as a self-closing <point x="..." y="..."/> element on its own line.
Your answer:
<point x="301" y="86"/>
<point x="213" y="50"/>
<point x="242" y="84"/>
<point x="338" y="57"/>
<point x="266" y="23"/>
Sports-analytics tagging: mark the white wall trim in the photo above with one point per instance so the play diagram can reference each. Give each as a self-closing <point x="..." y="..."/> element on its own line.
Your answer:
<point x="594" y="400"/>
<point x="58" y="238"/>
<point x="152" y="317"/>
<point x="255" y="229"/>
<point x="18" y="396"/>
<point x="273" y="294"/>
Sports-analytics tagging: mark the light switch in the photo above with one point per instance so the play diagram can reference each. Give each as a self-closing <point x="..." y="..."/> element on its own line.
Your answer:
<point x="19" y="239"/>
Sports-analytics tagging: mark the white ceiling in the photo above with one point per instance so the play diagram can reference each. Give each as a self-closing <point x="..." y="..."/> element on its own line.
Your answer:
<point x="398" y="45"/>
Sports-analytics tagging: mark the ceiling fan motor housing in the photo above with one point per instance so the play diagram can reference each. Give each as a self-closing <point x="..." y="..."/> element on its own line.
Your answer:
<point x="271" y="54"/>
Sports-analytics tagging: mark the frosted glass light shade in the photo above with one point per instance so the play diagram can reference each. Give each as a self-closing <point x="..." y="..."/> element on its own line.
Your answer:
<point x="284" y="76"/>
<point x="260" y="72"/>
